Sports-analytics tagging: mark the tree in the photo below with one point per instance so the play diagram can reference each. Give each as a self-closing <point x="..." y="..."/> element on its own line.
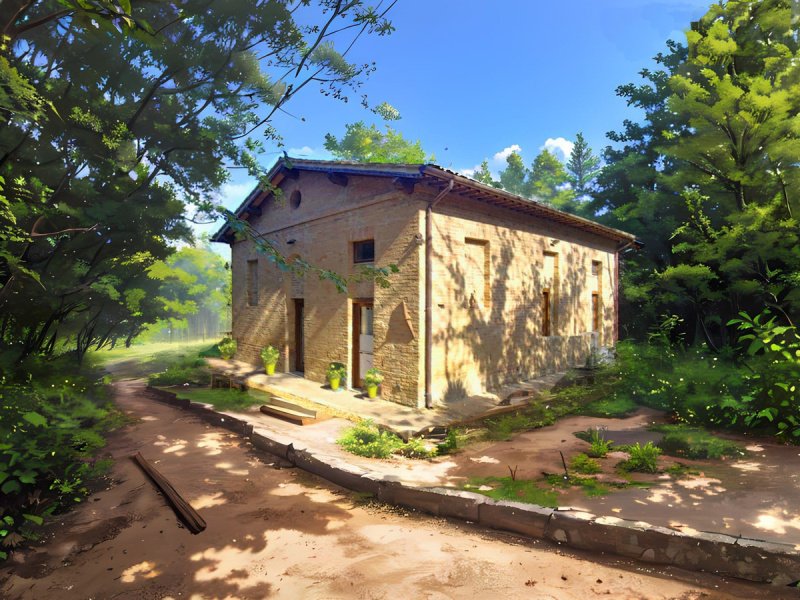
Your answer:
<point x="483" y="175"/>
<point x="368" y="144"/>
<point x="548" y="182"/>
<point x="513" y="177"/>
<point x="140" y="127"/>
<point x="583" y="166"/>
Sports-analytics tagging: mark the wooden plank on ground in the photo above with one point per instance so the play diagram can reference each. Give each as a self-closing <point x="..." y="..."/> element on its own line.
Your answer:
<point x="190" y="517"/>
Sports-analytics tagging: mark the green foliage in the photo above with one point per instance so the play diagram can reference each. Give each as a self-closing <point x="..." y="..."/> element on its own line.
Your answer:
<point x="53" y="420"/>
<point x="642" y="458"/>
<point x="517" y="490"/>
<point x="223" y="398"/>
<point x="373" y="377"/>
<point x="591" y="487"/>
<point x="581" y="463"/>
<point x="366" y="439"/>
<point x="610" y="408"/>
<point x="368" y="144"/>
<point x="336" y="370"/>
<point x="270" y="355"/>
<point x="695" y="442"/>
<point x="583" y="166"/>
<point x="599" y="445"/>
<point x="185" y="370"/>
<point x="451" y="442"/>
<point x="227" y="348"/>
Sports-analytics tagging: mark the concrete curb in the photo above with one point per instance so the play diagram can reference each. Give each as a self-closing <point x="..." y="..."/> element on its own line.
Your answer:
<point x="745" y="558"/>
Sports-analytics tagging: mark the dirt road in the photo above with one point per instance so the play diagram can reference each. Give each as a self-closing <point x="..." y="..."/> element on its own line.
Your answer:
<point x="280" y="533"/>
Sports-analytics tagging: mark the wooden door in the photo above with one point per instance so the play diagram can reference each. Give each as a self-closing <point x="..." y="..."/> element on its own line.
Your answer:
<point x="362" y="340"/>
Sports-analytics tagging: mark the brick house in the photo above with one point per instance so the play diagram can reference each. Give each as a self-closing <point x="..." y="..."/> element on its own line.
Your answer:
<point x="492" y="287"/>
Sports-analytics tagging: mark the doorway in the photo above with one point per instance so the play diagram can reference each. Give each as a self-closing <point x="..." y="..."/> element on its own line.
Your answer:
<point x="362" y="340"/>
<point x="299" y="362"/>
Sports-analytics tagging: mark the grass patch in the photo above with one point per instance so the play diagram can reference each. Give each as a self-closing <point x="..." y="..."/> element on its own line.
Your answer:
<point x="609" y="408"/>
<point x="541" y="412"/>
<point x="185" y="369"/>
<point x="581" y="463"/>
<point x="519" y="490"/>
<point x="366" y="439"/>
<point x="223" y="398"/>
<point x="695" y="442"/>
<point x="590" y="486"/>
<point x="680" y="471"/>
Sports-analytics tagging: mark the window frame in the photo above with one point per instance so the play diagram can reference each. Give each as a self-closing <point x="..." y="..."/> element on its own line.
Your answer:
<point x="356" y="245"/>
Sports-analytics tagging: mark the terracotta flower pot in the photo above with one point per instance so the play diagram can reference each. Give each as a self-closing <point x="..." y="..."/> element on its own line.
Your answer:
<point x="372" y="391"/>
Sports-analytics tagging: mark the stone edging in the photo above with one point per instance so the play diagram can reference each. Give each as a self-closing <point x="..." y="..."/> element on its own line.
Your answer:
<point x="745" y="558"/>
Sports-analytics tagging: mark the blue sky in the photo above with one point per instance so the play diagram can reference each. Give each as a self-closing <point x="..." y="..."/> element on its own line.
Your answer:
<point x="473" y="79"/>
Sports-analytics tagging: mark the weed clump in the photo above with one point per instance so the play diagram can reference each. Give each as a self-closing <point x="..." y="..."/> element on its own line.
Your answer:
<point x="643" y="459"/>
<point x="366" y="439"/>
<point x="581" y="463"/>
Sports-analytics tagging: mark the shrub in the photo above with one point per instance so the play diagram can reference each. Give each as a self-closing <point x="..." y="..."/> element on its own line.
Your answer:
<point x="366" y="439"/>
<point x="450" y="442"/>
<point x="336" y="370"/>
<point x="192" y="370"/>
<point x="373" y="377"/>
<point x="270" y="355"/>
<point x="600" y="446"/>
<point x="227" y="348"/>
<point x="583" y="464"/>
<point x="642" y="458"/>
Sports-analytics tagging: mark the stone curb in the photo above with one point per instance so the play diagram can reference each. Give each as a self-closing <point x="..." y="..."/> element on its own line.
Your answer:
<point x="745" y="558"/>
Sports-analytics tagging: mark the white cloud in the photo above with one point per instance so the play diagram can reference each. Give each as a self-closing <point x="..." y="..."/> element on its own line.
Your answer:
<point x="231" y="195"/>
<point x="560" y="147"/>
<point x="469" y="172"/>
<point x="309" y="152"/>
<point x="500" y="157"/>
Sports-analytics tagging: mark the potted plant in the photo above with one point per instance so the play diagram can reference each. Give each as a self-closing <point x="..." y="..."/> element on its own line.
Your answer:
<point x="270" y="356"/>
<point x="335" y="373"/>
<point x="372" y="379"/>
<point x="227" y="348"/>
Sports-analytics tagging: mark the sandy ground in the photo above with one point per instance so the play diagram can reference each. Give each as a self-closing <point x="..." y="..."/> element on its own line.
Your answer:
<point x="756" y="496"/>
<point x="280" y="533"/>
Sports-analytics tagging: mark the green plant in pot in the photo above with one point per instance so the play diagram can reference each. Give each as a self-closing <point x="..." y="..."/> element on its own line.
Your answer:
<point x="336" y="373"/>
<point x="227" y="348"/>
<point x="372" y="379"/>
<point x="270" y="356"/>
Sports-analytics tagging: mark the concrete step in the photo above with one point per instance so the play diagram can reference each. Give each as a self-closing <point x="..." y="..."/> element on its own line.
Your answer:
<point x="283" y="403"/>
<point x="287" y="414"/>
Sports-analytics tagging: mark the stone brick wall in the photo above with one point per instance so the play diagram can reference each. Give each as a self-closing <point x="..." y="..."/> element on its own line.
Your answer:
<point x="482" y="340"/>
<point x="323" y="228"/>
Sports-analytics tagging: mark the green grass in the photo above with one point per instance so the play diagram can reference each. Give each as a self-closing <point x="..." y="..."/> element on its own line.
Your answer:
<point x="143" y="360"/>
<point x="581" y="463"/>
<point x="520" y="490"/>
<point x="695" y="442"/>
<point x="610" y="408"/>
<point x="590" y="486"/>
<point x="642" y="458"/>
<point x="223" y="398"/>
<point x="366" y="439"/>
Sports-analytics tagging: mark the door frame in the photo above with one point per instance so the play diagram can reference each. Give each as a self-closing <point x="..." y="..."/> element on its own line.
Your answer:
<point x="299" y="335"/>
<point x="358" y="303"/>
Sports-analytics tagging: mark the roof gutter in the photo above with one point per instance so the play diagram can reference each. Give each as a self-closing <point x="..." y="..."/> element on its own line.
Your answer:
<point x="429" y="291"/>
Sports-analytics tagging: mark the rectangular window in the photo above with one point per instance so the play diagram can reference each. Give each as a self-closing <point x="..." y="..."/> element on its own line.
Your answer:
<point x="595" y="312"/>
<point x="252" y="282"/>
<point x="546" y="312"/>
<point x="477" y="285"/>
<point x="364" y="251"/>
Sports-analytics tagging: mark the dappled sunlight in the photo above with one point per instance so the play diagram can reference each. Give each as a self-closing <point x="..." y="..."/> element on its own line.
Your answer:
<point x="209" y="500"/>
<point x="683" y="527"/>
<point x="142" y="570"/>
<point x="485" y="459"/>
<point x="777" y="521"/>
<point x="665" y="495"/>
<point x="752" y="467"/>
<point x="171" y="446"/>
<point x="212" y="442"/>
<point x="754" y="448"/>
<point x="704" y="484"/>
<point x="230" y="469"/>
<point x="148" y="418"/>
<point x="295" y="489"/>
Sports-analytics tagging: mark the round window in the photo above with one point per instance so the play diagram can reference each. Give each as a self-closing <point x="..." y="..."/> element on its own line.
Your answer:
<point x="295" y="199"/>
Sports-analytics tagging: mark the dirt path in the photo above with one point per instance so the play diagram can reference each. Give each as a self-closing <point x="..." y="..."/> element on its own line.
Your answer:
<point x="280" y="533"/>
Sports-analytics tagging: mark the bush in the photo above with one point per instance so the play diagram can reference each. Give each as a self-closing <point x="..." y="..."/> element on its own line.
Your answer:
<point x="50" y="429"/>
<point x="270" y="355"/>
<point x="227" y="348"/>
<point x="189" y="369"/>
<point x="642" y="458"/>
<point x="583" y="464"/>
<point x="366" y="439"/>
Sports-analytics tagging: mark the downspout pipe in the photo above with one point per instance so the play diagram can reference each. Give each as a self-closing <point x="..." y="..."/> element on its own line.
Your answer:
<point x="429" y="291"/>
